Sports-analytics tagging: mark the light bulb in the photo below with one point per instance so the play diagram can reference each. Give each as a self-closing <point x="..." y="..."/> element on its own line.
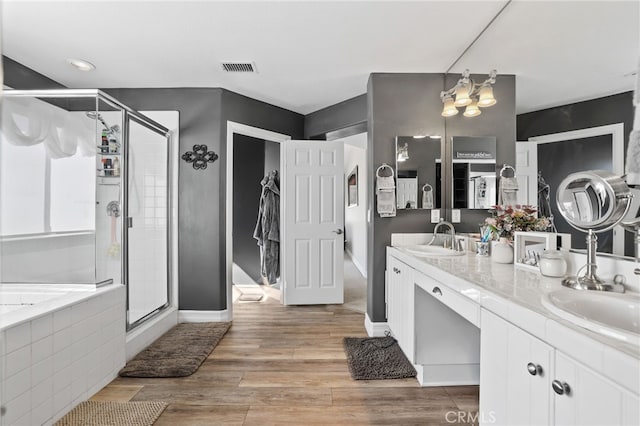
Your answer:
<point x="486" y="97"/>
<point x="449" y="109"/>
<point x="472" y="110"/>
<point x="462" y="96"/>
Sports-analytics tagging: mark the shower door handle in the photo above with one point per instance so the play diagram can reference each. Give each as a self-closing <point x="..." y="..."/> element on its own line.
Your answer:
<point x="129" y="222"/>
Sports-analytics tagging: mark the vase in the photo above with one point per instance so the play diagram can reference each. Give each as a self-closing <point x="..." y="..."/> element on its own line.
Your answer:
<point x="502" y="251"/>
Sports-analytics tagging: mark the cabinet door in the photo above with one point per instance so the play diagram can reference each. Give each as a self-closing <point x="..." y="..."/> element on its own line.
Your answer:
<point x="515" y="371"/>
<point x="591" y="399"/>
<point x="400" y="304"/>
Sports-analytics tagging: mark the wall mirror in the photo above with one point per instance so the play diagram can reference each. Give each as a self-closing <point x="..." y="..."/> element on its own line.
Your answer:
<point x="352" y="188"/>
<point x="418" y="172"/>
<point x="544" y="161"/>
<point x="474" y="172"/>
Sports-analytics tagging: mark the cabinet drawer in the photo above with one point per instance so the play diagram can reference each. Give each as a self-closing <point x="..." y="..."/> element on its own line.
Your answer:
<point x="466" y="308"/>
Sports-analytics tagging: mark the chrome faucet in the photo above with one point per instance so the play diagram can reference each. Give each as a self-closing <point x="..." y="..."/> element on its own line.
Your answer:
<point x="454" y="246"/>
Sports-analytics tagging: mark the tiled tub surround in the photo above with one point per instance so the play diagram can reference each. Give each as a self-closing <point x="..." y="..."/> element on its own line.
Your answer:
<point x="60" y="350"/>
<point x="486" y="290"/>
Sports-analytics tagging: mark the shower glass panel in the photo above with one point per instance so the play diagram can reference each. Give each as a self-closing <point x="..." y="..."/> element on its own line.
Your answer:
<point x="147" y="233"/>
<point x="84" y="195"/>
<point x="49" y="192"/>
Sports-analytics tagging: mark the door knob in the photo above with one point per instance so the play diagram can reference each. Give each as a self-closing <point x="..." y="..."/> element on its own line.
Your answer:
<point x="534" y="369"/>
<point x="338" y="231"/>
<point x="560" y="388"/>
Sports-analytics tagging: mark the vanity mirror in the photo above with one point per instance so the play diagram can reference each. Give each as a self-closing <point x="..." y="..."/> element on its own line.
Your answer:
<point x="418" y="173"/>
<point x="474" y="172"/>
<point x="593" y="201"/>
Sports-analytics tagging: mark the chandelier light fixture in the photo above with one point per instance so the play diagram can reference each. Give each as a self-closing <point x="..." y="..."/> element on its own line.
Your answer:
<point x="467" y="93"/>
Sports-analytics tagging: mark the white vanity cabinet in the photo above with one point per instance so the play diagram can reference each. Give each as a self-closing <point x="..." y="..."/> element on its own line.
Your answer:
<point x="524" y="381"/>
<point x="515" y="374"/>
<point x="591" y="398"/>
<point x="400" y="284"/>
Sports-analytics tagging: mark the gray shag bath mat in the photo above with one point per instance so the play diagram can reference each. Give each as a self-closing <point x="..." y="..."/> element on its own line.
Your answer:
<point x="375" y="358"/>
<point x="179" y="352"/>
<point x="102" y="413"/>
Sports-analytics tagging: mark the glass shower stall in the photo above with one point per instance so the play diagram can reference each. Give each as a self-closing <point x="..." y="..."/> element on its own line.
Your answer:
<point x="86" y="196"/>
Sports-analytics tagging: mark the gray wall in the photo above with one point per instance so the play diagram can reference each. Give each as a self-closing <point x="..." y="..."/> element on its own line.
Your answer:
<point x="202" y="198"/>
<point x="499" y="121"/>
<point x="397" y="104"/>
<point x="271" y="157"/>
<point x="248" y="171"/>
<point x="17" y="76"/>
<point x="343" y="116"/>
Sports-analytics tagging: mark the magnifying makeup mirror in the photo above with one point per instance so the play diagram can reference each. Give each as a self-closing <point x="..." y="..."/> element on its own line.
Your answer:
<point x="593" y="201"/>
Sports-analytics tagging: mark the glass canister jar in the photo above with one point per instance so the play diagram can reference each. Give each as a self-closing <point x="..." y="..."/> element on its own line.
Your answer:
<point x="553" y="264"/>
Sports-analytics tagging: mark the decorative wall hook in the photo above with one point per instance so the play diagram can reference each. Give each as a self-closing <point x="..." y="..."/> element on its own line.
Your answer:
<point x="199" y="157"/>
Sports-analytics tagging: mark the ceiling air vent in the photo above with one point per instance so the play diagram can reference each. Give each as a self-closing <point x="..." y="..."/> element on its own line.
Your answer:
<point x="239" y="67"/>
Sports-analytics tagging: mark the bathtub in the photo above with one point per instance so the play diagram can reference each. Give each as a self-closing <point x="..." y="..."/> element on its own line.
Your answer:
<point x="59" y="344"/>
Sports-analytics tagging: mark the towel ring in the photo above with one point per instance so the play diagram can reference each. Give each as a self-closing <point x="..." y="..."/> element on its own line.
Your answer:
<point x="506" y="167"/>
<point x="384" y="166"/>
<point x="425" y="186"/>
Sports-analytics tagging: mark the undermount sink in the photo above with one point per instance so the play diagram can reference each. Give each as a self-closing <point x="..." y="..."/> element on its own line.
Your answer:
<point x="432" y="251"/>
<point x="610" y="314"/>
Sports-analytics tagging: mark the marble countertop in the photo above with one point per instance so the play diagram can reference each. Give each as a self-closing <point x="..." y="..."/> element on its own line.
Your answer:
<point x="515" y="294"/>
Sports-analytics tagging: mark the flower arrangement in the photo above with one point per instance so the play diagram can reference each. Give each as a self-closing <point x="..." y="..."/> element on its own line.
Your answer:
<point x="505" y="220"/>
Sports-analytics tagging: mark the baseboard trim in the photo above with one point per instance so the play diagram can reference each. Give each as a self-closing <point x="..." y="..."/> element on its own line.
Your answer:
<point x="375" y="329"/>
<point x="363" y="271"/>
<point x="204" y="316"/>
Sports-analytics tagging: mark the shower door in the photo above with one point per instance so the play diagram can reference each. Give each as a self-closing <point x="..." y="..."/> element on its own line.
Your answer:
<point x="146" y="209"/>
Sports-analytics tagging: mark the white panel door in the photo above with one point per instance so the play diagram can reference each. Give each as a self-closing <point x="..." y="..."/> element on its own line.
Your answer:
<point x="313" y="241"/>
<point x="527" y="172"/>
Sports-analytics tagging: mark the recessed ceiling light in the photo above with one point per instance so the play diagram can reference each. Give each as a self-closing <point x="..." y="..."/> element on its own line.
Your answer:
<point x="419" y="136"/>
<point x="435" y="137"/>
<point x="81" y="64"/>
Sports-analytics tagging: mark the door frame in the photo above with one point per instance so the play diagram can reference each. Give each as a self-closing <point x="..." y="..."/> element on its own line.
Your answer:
<point x="254" y="132"/>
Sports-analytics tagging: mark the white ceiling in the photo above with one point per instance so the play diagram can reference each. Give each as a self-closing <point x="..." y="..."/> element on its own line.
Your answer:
<point x="314" y="54"/>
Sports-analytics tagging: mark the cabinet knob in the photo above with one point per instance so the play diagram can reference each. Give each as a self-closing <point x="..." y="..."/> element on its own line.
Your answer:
<point x="560" y="388"/>
<point x="534" y="369"/>
<point x="436" y="290"/>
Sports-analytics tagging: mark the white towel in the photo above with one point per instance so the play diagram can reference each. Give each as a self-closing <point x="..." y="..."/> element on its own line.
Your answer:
<point x="508" y="192"/>
<point x="385" y="192"/>
<point x="427" y="197"/>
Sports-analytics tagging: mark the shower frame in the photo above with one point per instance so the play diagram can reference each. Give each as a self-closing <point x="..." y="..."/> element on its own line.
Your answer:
<point x="128" y="114"/>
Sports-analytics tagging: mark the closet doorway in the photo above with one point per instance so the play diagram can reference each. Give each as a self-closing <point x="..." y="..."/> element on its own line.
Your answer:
<point x="254" y="156"/>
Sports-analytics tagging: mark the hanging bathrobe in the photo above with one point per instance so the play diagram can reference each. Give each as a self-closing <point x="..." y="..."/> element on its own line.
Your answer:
<point x="267" y="230"/>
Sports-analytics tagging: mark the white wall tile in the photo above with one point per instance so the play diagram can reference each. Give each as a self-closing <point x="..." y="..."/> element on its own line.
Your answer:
<point x="41" y="371"/>
<point x="62" y="339"/>
<point x="17" y="384"/>
<point x="62" y="379"/>
<point x="18" y="410"/>
<point x="41" y="327"/>
<point x="17" y="361"/>
<point x="17" y="337"/>
<point x="42" y="413"/>
<point x="62" y="399"/>
<point x="42" y="349"/>
<point x="62" y="359"/>
<point x="61" y="319"/>
<point x="79" y="312"/>
<point x="42" y="392"/>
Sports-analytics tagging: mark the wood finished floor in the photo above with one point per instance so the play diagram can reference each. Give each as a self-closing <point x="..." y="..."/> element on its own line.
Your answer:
<point x="286" y="365"/>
